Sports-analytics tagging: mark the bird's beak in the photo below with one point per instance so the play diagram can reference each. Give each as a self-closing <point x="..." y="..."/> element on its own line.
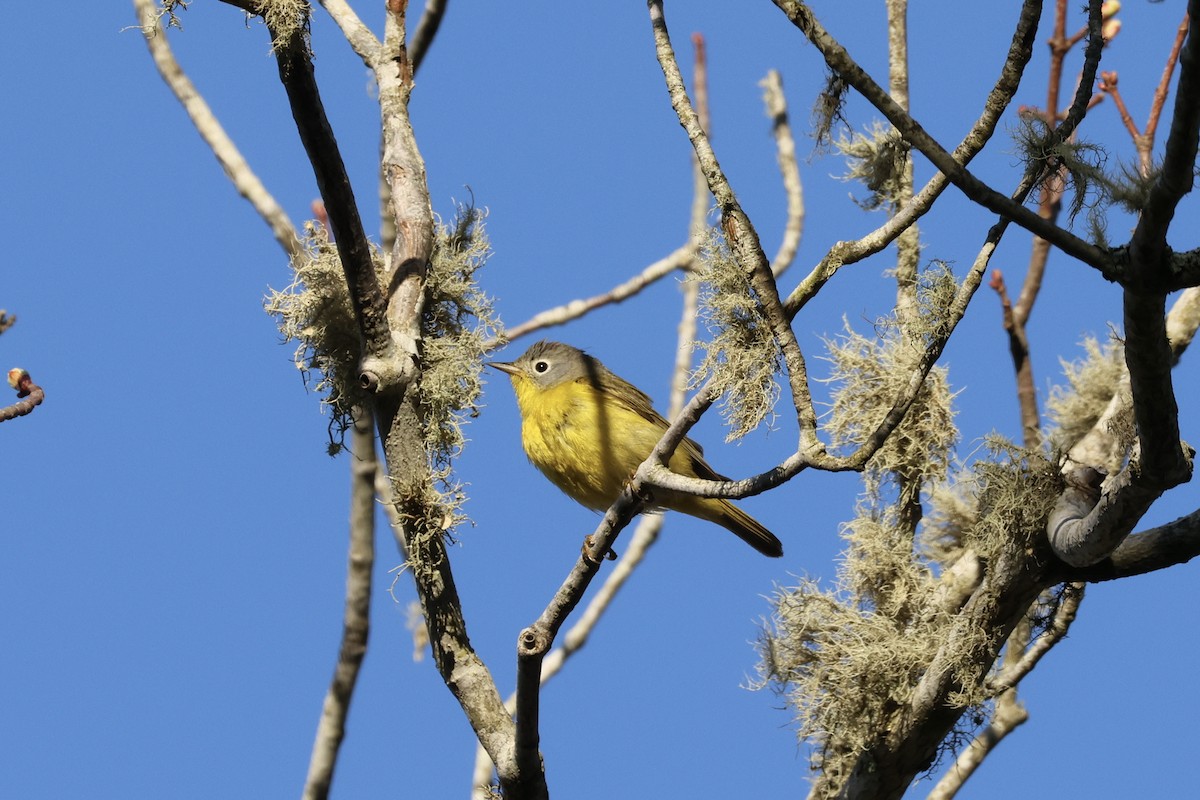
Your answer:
<point x="505" y="366"/>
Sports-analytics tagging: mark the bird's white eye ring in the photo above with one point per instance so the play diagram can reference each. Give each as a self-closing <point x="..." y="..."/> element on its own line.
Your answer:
<point x="541" y="366"/>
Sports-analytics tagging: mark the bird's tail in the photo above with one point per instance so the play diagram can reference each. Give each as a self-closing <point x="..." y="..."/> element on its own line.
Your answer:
<point x="750" y="530"/>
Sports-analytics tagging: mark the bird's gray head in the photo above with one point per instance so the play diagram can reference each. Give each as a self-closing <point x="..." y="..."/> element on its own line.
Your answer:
<point x="548" y="364"/>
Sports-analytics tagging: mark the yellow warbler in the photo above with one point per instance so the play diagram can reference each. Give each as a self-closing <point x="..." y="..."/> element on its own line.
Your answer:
<point x="588" y="430"/>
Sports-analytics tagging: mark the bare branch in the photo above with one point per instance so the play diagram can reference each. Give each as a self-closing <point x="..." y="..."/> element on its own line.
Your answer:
<point x="1013" y="673"/>
<point x="840" y="62"/>
<point x="1167" y="545"/>
<point x="230" y="158"/>
<point x="1164" y="83"/>
<point x="678" y="259"/>
<point x="356" y="622"/>
<point x="361" y="40"/>
<point x="789" y="170"/>
<point x="1018" y="345"/>
<point x="684" y="257"/>
<point x="1148" y="246"/>
<point x="908" y="243"/>
<point x="29" y="393"/>
<point x="739" y="232"/>
<point x="427" y="28"/>
<point x="846" y="253"/>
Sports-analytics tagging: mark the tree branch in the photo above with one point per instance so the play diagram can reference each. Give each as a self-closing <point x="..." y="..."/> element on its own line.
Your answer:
<point x="1165" y="546"/>
<point x="427" y="29"/>
<point x="227" y="154"/>
<point x="29" y="395"/>
<point x="296" y="75"/>
<point x="356" y="622"/>
<point x="677" y="260"/>
<point x="361" y="40"/>
<point x="739" y="232"/>
<point x="1064" y="615"/>
<point x="846" y="253"/>
<point x="1164" y="83"/>
<point x="785" y="148"/>
<point x="841" y="63"/>
<point x="1081" y="536"/>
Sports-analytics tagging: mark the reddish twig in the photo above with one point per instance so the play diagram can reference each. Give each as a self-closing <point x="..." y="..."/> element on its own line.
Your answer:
<point x="1143" y="141"/>
<point x="1164" y="83"/>
<point x="1108" y="85"/>
<point x="31" y="395"/>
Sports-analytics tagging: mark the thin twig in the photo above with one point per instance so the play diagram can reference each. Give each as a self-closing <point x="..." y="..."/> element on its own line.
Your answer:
<point x="31" y="395"/>
<point x="356" y="621"/>
<point x="739" y="233"/>
<point x="789" y="170"/>
<point x="678" y="259"/>
<point x="845" y="253"/>
<point x="360" y="37"/>
<point x="1164" y="83"/>
<point x="427" y="28"/>
<point x="227" y="154"/>
<point x="840" y="61"/>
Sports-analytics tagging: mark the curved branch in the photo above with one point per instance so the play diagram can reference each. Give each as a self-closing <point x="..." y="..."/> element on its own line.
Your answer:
<point x="227" y="154"/>
<point x="739" y="232"/>
<point x="360" y="37"/>
<point x="785" y="147"/>
<point x="845" y="253"/>
<point x="1165" y="546"/>
<point x="841" y="63"/>
<point x="677" y="260"/>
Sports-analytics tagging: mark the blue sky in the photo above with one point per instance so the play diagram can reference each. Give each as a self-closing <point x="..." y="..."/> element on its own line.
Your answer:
<point x="172" y="557"/>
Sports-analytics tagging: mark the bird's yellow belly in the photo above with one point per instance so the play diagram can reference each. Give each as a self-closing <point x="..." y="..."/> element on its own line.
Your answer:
<point x="587" y="449"/>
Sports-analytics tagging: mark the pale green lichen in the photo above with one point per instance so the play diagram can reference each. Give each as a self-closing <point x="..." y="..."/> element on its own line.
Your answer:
<point x="877" y="159"/>
<point x="316" y="313"/>
<point x="458" y="320"/>
<point x="1076" y="408"/>
<point x="742" y="359"/>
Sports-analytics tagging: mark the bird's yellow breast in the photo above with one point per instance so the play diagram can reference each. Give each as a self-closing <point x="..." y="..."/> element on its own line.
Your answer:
<point x="587" y="446"/>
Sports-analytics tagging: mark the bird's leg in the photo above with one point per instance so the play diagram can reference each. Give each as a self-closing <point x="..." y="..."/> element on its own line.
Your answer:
<point x="586" y="552"/>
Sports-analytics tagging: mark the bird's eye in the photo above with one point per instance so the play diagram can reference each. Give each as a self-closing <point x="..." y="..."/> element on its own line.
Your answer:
<point x="541" y="366"/>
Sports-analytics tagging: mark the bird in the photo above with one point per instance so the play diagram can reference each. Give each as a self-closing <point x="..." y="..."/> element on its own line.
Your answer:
<point x="588" y="430"/>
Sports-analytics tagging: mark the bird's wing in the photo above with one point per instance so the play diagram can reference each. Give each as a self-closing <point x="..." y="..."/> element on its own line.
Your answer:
<point x="637" y="401"/>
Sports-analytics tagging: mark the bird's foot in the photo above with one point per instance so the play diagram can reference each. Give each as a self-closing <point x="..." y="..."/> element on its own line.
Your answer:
<point x="586" y="551"/>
